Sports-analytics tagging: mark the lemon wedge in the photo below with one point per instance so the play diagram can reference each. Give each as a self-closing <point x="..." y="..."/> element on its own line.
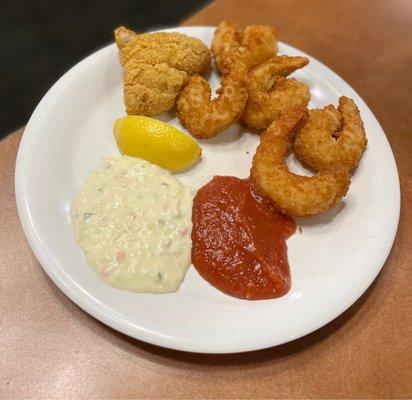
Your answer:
<point x="156" y="142"/>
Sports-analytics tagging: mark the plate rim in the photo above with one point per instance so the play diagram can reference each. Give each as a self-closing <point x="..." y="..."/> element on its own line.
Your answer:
<point x="88" y="304"/>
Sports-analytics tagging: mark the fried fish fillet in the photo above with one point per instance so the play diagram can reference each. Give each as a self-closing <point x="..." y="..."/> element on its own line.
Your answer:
<point x="151" y="89"/>
<point x="175" y="49"/>
<point x="156" y="66"/>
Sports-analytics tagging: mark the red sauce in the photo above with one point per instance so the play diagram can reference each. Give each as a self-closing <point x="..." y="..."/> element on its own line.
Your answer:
<point x="239" y="240"/>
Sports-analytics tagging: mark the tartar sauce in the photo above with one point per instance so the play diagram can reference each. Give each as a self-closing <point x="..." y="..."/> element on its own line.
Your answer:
<point x="132" y="220"/>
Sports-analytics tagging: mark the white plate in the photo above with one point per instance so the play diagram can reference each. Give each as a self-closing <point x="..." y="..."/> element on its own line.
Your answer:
<point x="333" y="261"/>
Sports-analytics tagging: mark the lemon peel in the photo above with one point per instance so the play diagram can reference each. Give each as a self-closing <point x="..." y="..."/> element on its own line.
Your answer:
<point x="155" y="141"/>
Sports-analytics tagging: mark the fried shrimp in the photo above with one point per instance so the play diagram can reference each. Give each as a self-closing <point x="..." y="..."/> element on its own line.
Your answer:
<point x="332" y="138"/>
<point x="271" y="93"/>
<point x="293" y="194"/>
<point x="205" y="117"/>
<point x="233" y="48"/>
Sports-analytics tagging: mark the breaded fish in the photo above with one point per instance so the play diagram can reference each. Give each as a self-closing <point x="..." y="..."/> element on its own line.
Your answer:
<point x="156" y="66"/>
<point x="175" y="49"/>
<point x="151" y="89"/>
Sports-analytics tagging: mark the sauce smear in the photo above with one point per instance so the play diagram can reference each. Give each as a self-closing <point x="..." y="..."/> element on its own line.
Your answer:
<point x="239" y="240"/>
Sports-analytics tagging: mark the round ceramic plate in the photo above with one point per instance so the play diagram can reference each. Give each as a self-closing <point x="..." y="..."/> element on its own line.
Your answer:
<point x="333" y="260"/>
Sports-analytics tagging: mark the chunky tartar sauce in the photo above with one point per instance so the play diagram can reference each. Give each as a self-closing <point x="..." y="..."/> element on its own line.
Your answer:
<point x="132" y="219"/>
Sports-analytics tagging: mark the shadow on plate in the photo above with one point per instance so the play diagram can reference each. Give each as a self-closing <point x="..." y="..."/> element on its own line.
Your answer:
<point x="187" y="360"/>
<point x="232" y="134"/>
<point x="247" y="358"/>
<point x="167" y="116"/>
<point x="321" y="219"/>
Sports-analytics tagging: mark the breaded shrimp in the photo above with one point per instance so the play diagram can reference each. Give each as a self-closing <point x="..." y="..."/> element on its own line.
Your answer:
<point x="151" y="89"/>
<point x="332" y="138"/>
<point x="177" y="50"/>
<point x="293" y="194"/>
<point x="226" y="35"/>
<point x="271" y="93"/>
<point x="233" y="48"/>
<point x="260" y="44"/>
<point x="204" y="117"/>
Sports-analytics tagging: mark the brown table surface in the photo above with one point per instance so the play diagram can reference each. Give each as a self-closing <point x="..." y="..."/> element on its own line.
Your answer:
<point x="51" y="348"/>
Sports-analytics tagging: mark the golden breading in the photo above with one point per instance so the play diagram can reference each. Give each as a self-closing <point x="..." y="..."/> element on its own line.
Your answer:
<point x="204" y="117"/>
<point x="233" y="48"/>
<point x="151" y="89"/>
<point x="332" y="138"/>
<point x="177" y="50"/>
<point x="156" y="66"/>
<point x="295" y="195"/>
<point x="122" y="36"/>
<point x="271" y="93"/>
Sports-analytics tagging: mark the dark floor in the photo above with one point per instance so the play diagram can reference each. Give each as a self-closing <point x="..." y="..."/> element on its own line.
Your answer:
<point x="41" y="39"/>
